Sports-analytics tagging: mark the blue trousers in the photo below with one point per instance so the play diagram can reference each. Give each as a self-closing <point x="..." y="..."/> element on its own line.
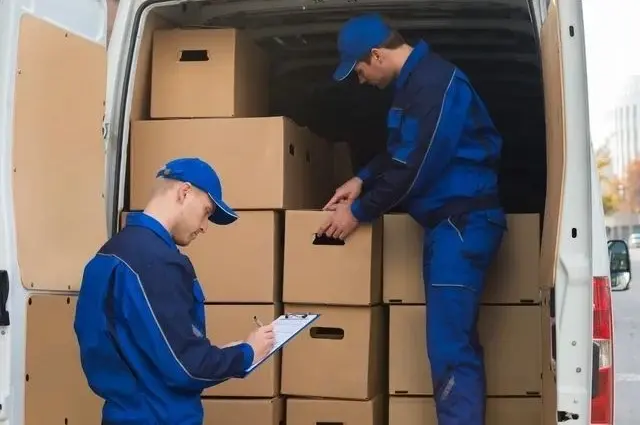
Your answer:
<point x="457" y="253"/>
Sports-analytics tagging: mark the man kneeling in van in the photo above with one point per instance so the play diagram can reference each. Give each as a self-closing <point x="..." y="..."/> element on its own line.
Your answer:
<point x="140" y="318"/>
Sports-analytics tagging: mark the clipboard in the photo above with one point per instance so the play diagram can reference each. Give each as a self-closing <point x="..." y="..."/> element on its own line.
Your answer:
<point x="286" y="327"/>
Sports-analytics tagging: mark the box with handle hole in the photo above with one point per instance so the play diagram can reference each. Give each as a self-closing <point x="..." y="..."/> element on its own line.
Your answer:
<point x="207" y="73"/>
<point x="341" y="355"/>
<point x="323" y="270"/>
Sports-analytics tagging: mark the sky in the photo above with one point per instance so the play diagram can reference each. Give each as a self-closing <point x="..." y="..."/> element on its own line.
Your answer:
<point x="611" y="26"/>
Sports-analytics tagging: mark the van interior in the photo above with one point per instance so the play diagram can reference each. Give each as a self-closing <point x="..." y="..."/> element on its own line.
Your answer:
<point x="496" y="43"/>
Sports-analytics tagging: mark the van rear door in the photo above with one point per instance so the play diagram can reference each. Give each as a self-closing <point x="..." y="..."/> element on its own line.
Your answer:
<point x="53" y="67"/>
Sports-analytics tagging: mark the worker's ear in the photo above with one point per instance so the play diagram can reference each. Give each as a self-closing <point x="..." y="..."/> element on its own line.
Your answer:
<point x="183" y="190"/>
<point x="377" y="55"/>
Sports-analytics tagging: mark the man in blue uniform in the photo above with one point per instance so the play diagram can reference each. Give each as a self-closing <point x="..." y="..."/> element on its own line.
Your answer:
<point x="140" y="320"/>
<point x="440" y="166"/>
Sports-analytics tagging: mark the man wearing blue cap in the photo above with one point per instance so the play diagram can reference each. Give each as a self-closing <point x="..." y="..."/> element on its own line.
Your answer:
<point x="140" y="320"/>
<point x="440" y="166"/>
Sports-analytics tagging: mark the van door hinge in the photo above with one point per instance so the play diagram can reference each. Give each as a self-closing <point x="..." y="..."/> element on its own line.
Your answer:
<point x="4" y="298"/>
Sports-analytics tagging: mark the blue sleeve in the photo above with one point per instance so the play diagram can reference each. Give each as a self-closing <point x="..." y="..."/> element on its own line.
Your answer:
<point x="430" y="132"/>
<point x="155" y="310"/>
<point x="373" y="168"/>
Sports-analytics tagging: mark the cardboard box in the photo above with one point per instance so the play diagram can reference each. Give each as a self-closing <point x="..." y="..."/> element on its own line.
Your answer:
<point x="123" y="219"/>
<point x="228" y="323"/>
<point x="221" y="255"/>
<point x="302" y="411"/>
<point x="348" y="274"/>
<point x="203" y="73"/>
<point x="243" y="411"/>
<point x="513" y="277"/>
<point x="264" y="163"/>
<point x="341" y="355"/>
<point x="500" y="411"/>
<point x="511" y="338"/>
<point x="320" y="159"/>
<point x="242" y="262"/>
<point x="342" y="165"/>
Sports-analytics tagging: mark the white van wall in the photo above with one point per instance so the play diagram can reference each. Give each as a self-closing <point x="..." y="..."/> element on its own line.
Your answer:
<point x="52" y="80"/>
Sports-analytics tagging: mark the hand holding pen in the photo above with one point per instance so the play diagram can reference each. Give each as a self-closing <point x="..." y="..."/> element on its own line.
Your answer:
<point x="257" y="321"/>
<point x="261" y="339"/>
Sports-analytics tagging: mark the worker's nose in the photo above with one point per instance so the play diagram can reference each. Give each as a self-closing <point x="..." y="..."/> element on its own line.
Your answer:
<point x="204" y="226"/>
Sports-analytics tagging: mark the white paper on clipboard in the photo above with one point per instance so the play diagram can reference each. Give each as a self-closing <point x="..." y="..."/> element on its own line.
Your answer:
<point x="286" y="327"/>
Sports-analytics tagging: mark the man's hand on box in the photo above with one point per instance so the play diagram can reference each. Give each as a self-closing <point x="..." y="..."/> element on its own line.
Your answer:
<point x="341" y="223"/>
<point x="334" y="206"/>
<point x="348" y="192"/>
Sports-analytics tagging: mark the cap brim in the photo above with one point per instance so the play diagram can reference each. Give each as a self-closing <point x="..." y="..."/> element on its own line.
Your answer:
<point x="343" y="70"/>
<point x="223" y="214"/>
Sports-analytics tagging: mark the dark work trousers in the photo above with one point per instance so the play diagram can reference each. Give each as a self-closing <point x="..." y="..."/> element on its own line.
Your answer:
<point x="457" y="253"/>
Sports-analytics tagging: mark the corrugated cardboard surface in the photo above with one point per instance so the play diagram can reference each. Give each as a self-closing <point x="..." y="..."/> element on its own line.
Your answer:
<point x="140" y="104"/>
<point x="341" y="355"/>
<point x="228" y="323"/>
<point x="230" y="79"/>
<point x="319" y="159"/>
<point x="500" y="411"/>
<point x="343" y="167"/>
<point x="510" y="336"/>
<point x="243" y="411"/>
<point x="348" y="274"/>
<point x="123" y="219"/>
<point x="221" y="255"/>
<point x="335" y="412"/>
<point x="242" y="262"/>
<point x="513" y="277"/>
<point x="264" y="163"/>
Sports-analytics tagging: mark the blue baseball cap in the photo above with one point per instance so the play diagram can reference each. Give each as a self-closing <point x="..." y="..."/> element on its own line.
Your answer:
<point x="356" y="39"/>
<point x="203" y="176"/>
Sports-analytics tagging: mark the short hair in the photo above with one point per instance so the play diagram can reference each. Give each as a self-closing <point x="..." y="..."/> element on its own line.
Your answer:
<point x="394" y="41"/>
<point x="163" y="185"/>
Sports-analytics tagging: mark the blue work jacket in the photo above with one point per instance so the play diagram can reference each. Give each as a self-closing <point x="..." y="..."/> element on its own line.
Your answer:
<point x="140" y="325"/>
<point x="442" y="149"/>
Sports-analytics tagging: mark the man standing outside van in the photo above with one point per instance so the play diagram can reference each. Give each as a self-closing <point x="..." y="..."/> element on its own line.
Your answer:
<point x="140" y="318"/>
<point x="440" y="165"/>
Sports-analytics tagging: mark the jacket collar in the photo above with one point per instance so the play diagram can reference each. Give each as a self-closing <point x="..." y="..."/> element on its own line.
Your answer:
<point x="144" y="220"/>
<point x="419" y="51"/>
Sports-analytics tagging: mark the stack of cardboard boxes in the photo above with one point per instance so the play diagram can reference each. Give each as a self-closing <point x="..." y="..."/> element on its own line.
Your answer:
<point x="209" y="99"/>
<point x="334" y="372"/>
<point x="510" y="325"/>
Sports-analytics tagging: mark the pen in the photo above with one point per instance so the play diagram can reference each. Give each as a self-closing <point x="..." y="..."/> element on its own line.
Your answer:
<point x="258" y="322"/>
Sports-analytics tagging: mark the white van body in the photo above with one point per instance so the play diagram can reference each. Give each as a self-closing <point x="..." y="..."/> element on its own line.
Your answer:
<point x="581" y="238"/>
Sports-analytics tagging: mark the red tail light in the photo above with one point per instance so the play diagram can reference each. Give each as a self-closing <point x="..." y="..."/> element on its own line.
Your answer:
<point x="602" y="401"/>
